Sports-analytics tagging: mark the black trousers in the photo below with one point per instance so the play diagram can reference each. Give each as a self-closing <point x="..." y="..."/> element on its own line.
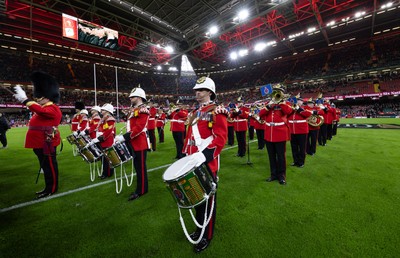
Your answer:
<point x="260" y="138"/>
<point x="322" y="136"/>
<point x="3" y="139"/>
<point x="50" y="169"/>
<point x="160" y="134"/>
<point x="179" y="138"/>
<point x="251" y="132"/>
<point x="153" y="141"/>
<point x="298" y="144"/>
<point x="241" y="138"/>
<point x="107" y="170"/>
<point x="277" y="159"/>
<point x="139" y="162"/>
<point x="231" y="135"/>
<point x="312" y="142"/>
<point x="334" y="128"/>
<point x="329" y="129"/>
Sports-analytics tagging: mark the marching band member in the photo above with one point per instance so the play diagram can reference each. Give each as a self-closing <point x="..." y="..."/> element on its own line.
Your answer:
<point x="231" y="129"/>
<point x="83" y="122"/>
<point x="336" y="120"/>
<point x="276" y="134"/>
<point x="252" y="124"/>
<point x="330" y="116"/>
<point x="298" y="132"/>
<point x="240" y="115"/>
<point x="77" y="116"/>
<point x="137" y="139"/>
<point x="177" y="118"/>
<point x="105" y="138"/>
<point x="326" y="127"/>
<point x="151" y="126"/>
<point x="313" y="131"/>
<point x="93" y="122"/>
<point x="160" y="123"/>
<point x="207" y="133"/>
<point x="259" y="126"/>
<point x="43" y="135"/>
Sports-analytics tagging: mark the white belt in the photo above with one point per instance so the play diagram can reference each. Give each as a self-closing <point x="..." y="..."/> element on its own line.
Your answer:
<point x="297" y="121"/>
<point x="275" y="124"/>
<point x="178" y="121"/>
<point x="240" y="120"/>
<point x="152" y="119"/>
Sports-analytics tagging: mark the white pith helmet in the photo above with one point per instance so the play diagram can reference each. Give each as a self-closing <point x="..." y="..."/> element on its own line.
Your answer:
<point x="108" y="107"/>
<point x="97" y="108"/>
<point x="84" y="111"/>
<point x="206" y="83"/>
<point x="138" y="92"/>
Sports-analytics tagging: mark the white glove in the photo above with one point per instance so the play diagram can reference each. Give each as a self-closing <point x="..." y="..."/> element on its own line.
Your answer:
<point x="75" y="134"/>
<point x="199" y="158"/>
<point x="94" y="141"/>
<point x="119" y="138"/>
<point x="82" y="133"/>
<point x="20" y="94"/>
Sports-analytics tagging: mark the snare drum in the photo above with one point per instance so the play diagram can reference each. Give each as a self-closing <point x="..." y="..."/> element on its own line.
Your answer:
<point x="188" y="184"/>
<point x="71" y="138"/>
<point x="91" y="153"/>
<point x="82" y="140"/>
<point x="117" y="154"/>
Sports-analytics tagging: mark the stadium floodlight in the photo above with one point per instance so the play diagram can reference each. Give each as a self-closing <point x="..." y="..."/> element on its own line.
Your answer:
<point x="359" y="14"/>
<point x="234" y="55"/>
<point x="260" y="46"/>
<point x="311" y="29"/>
<point x="243" y="15"/>
<point x="172" y="69"/>
<point x="331" y="23"/>
<point x="213" y="30"/>
<point x="387" y="5"/>
<point x="169" y="49"/>
<point x="159" y="67"/>
<point x="243" y="52"/>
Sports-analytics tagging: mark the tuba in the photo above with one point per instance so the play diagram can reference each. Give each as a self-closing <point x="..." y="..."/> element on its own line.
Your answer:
<point x="315" y="120"/>
<point x="277" y="96"/>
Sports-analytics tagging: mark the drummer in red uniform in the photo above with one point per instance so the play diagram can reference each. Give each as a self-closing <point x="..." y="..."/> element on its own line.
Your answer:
<point x="276" y="133"/>
<point x="94" y="122"/>
<point x="43" y="135"/>
<point x="83" y="122"/>
<point x="206" y="137"/>
<point x="137" y="139"/>
<point x="105" y="136"/>
<point x="75" y="123"/>
<point x="298" y="132"/>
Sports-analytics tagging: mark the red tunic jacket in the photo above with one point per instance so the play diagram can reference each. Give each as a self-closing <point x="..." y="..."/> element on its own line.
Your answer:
<point x="209" y="123"/>
<point x="45" y="118"/>
<point x="298" y="121"/>
<point x="138" y="120"/>
<point x="160" y="121"/>
<point x="75" y="122"/>
<point x="319" y="112"/>
<point x="107" y="127"/>
<point x="178" y="119"/>
<point x="240" y="119"/>
<point x="83" y="123"/>
<point x="151" y="125"/>
<point x="93" y="124"/>
<point x="276" y="125"/>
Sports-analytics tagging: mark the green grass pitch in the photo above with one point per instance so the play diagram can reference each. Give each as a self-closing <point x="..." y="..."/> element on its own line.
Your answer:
<point x="343" y="203"/>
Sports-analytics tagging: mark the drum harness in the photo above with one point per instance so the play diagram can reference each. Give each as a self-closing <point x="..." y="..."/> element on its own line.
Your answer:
<point x="201" y="145"/>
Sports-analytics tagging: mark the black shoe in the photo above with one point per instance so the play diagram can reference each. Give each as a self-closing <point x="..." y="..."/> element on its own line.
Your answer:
<point x="195" y="235"/>
<point x="41" y="192"/>
<point x="270" y="179"/>
<point x="282" y="182"/>
<point x="133" y="196"/>
<point x="300" y="166"/>
<point x="294" y="164"/>
<point x="201" y="246"/>
<point x="43" y="195"/>
<point x="103" y="177"/>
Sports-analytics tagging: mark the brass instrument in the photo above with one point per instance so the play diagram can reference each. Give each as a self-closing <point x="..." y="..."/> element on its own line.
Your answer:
<point x="277" y="96"/>
<point x="315" y="120"/>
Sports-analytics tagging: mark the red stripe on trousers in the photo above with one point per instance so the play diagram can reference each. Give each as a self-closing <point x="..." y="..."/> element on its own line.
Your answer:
<point x="53" y="188"/>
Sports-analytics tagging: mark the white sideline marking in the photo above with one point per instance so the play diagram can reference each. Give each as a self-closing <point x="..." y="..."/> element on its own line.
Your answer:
<point x="25" y="204"/>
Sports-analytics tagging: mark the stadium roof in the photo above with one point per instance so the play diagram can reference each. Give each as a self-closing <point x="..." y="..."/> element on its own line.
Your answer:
<point x="146" y="28"/>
